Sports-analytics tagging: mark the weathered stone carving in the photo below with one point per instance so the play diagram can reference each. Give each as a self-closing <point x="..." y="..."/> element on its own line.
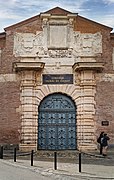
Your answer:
<point x="107" y="77"/>
<point x="60" y="53"/>
<point x="28" y="44"/>
<point x="87" y="44"/>
<point x="31" y="45"/>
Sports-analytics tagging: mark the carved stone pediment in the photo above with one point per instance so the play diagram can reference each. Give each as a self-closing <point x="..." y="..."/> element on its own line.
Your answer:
<point x="54" y="41"/>
<point x="57" y="40"/>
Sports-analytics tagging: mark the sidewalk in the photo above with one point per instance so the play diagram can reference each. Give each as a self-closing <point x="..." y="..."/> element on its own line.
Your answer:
<point x="102" y="170"/>
<point x="47" y="169"/>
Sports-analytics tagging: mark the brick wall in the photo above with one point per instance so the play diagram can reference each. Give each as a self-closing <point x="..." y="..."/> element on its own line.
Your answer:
<point x="10" y="123"/>
<point x="105" y="108"/>
<point x="9" y="118"/>
<point x="85" y="26"/>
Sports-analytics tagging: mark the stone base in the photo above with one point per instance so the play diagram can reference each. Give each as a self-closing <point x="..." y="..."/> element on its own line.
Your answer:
<point x="87" y="148"/>
<point x="27" y="147"/>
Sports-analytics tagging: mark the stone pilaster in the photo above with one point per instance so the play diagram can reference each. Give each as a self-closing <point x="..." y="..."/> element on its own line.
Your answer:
<point x="29" y="111"/>
<point x="86" y="111"/>
<point x="29" y="106"/>
<point x="86" y="104"/>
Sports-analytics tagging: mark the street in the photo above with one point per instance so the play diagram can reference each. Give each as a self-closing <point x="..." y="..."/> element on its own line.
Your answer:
<point x="10" y="172"/>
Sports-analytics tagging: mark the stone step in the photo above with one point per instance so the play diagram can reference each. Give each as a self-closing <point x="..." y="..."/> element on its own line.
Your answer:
<point x="62" y="154"/>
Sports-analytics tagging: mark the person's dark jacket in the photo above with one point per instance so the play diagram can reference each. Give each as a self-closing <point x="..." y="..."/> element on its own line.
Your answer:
<point x="99" y="138"/>
<point x="104" y="140"/>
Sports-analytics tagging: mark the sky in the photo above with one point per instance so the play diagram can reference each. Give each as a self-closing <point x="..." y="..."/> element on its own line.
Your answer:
<point x="14" y="11"/>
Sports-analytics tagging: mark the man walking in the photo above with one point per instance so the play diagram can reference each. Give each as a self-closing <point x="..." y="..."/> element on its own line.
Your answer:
<point x="99" y="141"/>
<point x="104" y="142"/>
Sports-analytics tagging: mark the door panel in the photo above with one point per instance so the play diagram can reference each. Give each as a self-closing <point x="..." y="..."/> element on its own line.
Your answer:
<point x="51" y="137"/>
<point x="62" y="142"/>
<point x="57" y="123"/>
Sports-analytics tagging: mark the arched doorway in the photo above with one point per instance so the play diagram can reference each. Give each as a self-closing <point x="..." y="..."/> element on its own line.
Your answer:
<point x="57" y="123"/>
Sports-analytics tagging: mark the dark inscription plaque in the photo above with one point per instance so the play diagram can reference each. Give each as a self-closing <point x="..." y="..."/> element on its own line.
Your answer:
<point x="57" y="78"/>
<point x="105" y="123"/>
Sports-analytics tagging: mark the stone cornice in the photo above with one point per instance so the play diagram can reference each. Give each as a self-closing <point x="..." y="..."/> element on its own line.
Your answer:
<point x="22" y="66"/>
<point x="55" y="16"/>
<point x="96" y="66"/>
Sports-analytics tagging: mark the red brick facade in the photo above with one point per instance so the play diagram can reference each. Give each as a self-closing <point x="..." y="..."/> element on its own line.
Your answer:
<point x="10" y="112"/>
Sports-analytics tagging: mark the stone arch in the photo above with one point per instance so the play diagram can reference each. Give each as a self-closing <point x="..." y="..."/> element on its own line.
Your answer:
<point x="45" y="90"/>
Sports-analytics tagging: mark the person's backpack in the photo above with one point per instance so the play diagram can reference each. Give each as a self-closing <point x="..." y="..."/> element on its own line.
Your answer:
<point x="99" y="140"/>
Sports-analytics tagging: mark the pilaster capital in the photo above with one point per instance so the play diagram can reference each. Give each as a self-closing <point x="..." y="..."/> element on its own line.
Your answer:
<point x="83" y="66"/>
<point x="28" y="66"/>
